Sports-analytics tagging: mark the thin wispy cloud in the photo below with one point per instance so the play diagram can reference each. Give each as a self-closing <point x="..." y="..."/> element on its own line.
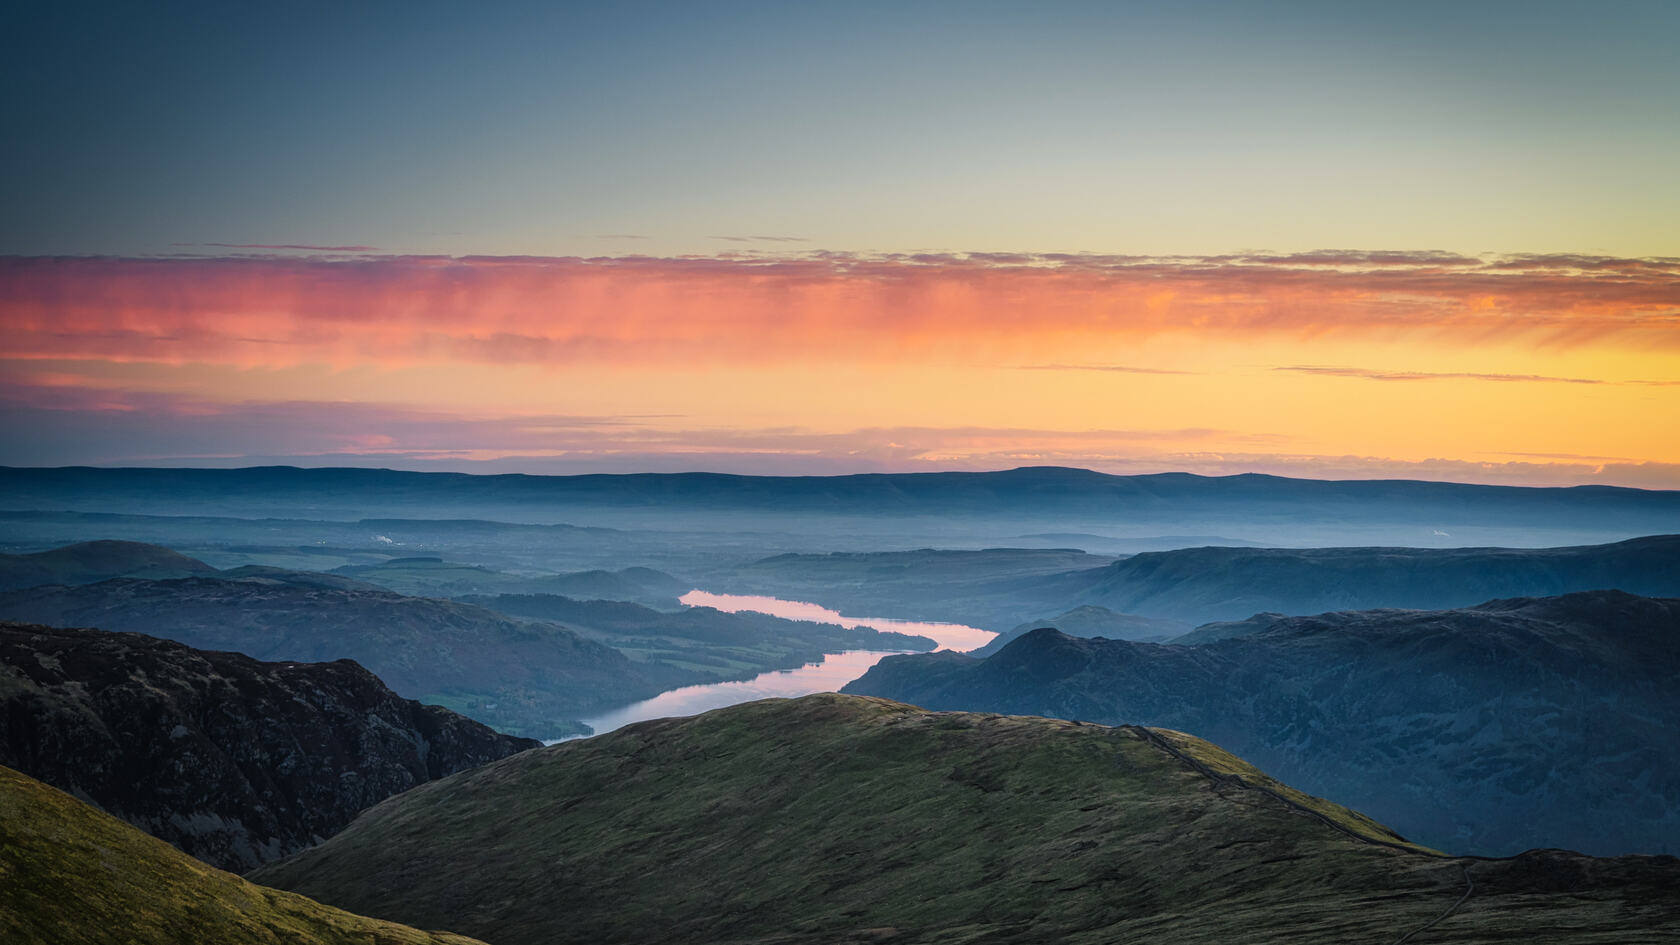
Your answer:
<point x="1375" y="375"/>
<point x="1372" y="374"/>
<point x="1351" y="258"/>
<point x="287" y="246"/>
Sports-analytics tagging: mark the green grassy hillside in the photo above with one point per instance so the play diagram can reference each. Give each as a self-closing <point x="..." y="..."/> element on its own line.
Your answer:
<point x="838" y="819"/>
<point x="70" y="875"/>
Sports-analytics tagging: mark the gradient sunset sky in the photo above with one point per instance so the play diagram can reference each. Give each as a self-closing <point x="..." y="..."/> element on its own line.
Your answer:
<point x="1336" y="240"/>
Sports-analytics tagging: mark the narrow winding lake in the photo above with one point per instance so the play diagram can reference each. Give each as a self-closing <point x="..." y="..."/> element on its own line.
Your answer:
<point x="834" y="671"/>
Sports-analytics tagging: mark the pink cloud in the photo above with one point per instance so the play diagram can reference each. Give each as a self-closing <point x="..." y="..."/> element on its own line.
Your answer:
<point x="273" y="310"/>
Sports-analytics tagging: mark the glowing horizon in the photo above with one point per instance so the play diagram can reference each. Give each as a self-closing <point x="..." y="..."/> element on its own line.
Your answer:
<point x="1533" y="369"/>
<point x="797" y="238"/>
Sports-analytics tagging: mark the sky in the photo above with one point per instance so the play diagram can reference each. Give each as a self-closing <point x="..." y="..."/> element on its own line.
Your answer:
<point x="1334" y="240"/>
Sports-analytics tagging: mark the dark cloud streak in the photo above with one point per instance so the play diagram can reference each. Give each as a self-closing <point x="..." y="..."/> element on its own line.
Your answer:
<point x="1377" y="375"/>
<point x="300" y="246"/>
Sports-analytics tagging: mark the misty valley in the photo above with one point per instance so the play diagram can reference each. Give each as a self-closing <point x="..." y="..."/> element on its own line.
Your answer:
<point x="544" y="472"/>
<point x="1037" y="705"/>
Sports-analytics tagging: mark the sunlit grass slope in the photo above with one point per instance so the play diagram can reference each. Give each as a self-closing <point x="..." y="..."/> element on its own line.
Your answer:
<point x="70" y="875"/>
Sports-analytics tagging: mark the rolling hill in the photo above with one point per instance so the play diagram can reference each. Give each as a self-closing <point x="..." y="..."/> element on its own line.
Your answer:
<point x="91" y="561"/>
<point x="1093" y="621"/>
<point x="843" y="819"/>
<point x="1496" y="728"/>
<point x="435" y="577"/>
<point x="1200" y="585"/>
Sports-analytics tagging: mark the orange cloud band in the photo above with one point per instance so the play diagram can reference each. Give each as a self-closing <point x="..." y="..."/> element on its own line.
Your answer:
<point x="276" y="311"/>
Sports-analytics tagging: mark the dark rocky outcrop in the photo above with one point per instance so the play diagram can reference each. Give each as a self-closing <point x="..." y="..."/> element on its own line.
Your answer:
<point x="232" y="760"/>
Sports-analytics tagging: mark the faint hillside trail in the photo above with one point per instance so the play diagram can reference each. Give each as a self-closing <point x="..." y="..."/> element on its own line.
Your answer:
<point x="1469" y="887"/>
<point x="1238" y="781"/>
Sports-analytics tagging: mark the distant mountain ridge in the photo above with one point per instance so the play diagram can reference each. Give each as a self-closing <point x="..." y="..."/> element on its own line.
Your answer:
<point x="999" y="589"/>
<point x="1045" y="487"/>
<point x="1200" y="585"/>
<point x="232" y="760"/>
<point x="1496" y="728"/>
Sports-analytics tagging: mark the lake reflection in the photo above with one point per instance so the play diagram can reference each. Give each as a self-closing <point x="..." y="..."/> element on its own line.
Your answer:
<point x="835" y="670"/>
<point x="949" y="636"/>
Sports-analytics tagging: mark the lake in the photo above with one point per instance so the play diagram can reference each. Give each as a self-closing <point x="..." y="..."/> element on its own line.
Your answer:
<point x="835" y="670"/>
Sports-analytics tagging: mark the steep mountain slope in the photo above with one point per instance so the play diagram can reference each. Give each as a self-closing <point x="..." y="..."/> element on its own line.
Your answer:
<point x="529" y="678"/>
<point x="92" y="561"/>
<point x="1092" y="621"/>
<point x="1215" y="584"/>
<point x="230" y="759"/>
<point x="702" y="639"/>
<point x="75" y="876"/>
<point x="841" y="819"/>
<point x="1515" y="724"/>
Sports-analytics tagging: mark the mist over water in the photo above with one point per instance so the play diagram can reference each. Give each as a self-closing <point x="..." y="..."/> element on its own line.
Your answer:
<point x="835" y="670"/>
